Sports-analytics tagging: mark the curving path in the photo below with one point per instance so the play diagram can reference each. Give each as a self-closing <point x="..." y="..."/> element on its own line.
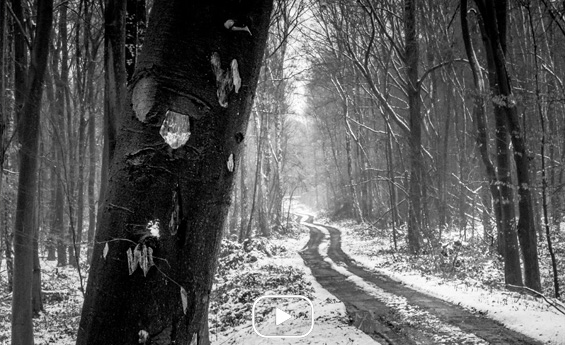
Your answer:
<point x="390" y="312"/>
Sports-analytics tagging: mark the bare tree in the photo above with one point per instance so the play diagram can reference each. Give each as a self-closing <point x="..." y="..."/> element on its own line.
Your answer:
<point x="30" y="90"/>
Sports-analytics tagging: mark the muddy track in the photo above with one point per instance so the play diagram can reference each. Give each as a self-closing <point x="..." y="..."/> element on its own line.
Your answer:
<point x="409" y="317"/>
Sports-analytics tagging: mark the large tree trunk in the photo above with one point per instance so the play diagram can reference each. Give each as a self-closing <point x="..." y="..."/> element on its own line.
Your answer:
<point x="182" y="71"/>
<point x="479" y="114"/>
<point x="493" y="27"/>
<point x="494" y="15"/>
<point x="28" y="116"/>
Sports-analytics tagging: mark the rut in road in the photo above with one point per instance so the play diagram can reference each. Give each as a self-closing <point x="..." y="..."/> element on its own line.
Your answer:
<point x="390" y="312"/>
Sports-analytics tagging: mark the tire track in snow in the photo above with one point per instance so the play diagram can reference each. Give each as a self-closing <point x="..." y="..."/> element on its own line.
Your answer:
<point x="389" y="311"/>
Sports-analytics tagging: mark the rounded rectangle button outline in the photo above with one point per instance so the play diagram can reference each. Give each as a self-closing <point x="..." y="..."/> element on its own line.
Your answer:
<point x="282" y="336"/>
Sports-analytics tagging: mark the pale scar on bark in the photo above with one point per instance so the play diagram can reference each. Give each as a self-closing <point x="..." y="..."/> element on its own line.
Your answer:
<point x="226" y="80"/>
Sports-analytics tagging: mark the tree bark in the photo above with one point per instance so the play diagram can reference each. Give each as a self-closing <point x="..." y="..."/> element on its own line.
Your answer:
<point x="495" y="23"/>
<point x="36" y="295"/>
<point x="351" y="179"/>
<point x="244" y="192"/>
<point x="69" y="147"/>
<point x="28" y="123"/>
<point x="91" y="52"/>
<point x="479" y="114"/>
<point x="493" y="34"/>
<point x="173" y="74"/>
<point x="3" y="115"/>
<point x="91" y="182"/>
<point x="415" y="217"/>
<point x="542" y="115"/>
<point x="37" y="298"/>
<point x="114" y="84"/>
<point x="77" y="238"/>
<point x="135" y="30"/>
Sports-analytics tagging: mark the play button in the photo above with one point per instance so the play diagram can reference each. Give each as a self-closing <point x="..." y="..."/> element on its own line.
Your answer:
<point x="281" y="316"/>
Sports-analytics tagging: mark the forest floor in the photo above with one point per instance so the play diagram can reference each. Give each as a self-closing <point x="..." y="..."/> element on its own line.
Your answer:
<point x="362" y="293"/>
<point x="394" y="313"/>
<point x="469" y="277"/>
<point x="393" y="299"/>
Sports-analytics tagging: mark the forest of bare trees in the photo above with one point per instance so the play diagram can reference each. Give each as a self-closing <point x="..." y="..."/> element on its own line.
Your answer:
<point x="440" y="117"/>
<point x="158" y="128"/>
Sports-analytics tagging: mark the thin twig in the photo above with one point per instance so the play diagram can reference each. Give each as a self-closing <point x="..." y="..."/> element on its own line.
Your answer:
<point x="120" y="208"/>
<point x="554" y="303"/>
<point x="116" y="239"/>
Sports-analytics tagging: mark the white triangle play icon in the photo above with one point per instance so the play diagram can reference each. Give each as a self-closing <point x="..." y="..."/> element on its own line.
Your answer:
<point x="281" y="316"/>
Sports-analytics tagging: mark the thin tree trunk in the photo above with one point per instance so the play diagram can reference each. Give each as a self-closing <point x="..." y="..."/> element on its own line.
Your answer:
<point x="58" y="226"/>
<point x="36" y="296"/>
<point x="264" y="216"/>
<point x="543" y="169"/>
<point x="8" y="238"/>
<point x="257" y="174"/>
<point x="51" y="240"/>
<point x="392" y="187"/>
<point x="415" y="217"/>
<point x="244" y="199"/>
<point x="69" y="147"/>
<point x="91" y="181"/>
<point x="80" y="192"/>
<point x="28" y="123"/>
<point x="234" y="221"/>
<point x="352" y="184"/>
<point x="91" y="51"/>
<point x="3" y="116"/>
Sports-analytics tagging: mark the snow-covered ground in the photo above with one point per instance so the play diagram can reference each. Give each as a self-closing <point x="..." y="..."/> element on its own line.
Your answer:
<point x="525" y="314"/>
<point x="330" y="318"/>
<point x="522" y="313"/>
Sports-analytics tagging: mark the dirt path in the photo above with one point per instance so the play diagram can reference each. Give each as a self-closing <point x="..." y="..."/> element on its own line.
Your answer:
<point x="390" y="312"/>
